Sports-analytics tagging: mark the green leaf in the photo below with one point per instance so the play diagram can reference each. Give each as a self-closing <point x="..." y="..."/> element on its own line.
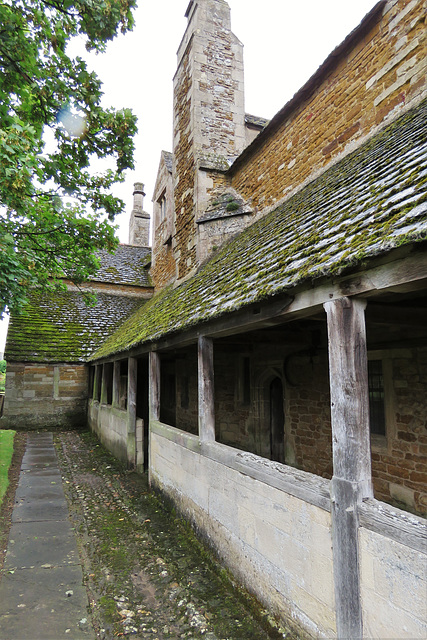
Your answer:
<point x="42" y="239"/>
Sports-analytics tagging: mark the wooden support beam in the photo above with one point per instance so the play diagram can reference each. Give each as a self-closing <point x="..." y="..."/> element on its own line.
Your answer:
<point x="131" y="410"/>
<point x="351" y="482"/>
<point x="116" y="384"/>
<point x="154" y="385"/>
<point x="96" y="374"/>
<point x="206" y="390"/>
<point x="348" y="369"/>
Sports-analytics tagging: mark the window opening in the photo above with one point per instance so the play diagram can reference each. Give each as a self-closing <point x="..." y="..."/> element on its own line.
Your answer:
<point x="91" y="382"/>
<point x="108" y="383"/>
<point x="98" y="382"/>
<point x="376" y="397"/>
<point x="185" y="393"/>
<point x="123" y="387"/>
<point x="277" y="421"/>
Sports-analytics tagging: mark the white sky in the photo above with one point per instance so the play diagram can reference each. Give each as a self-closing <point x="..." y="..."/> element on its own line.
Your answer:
<point x="285" y="41"/>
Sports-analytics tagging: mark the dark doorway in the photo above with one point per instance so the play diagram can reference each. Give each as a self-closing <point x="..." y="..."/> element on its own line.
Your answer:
<point x="277" y="421"/>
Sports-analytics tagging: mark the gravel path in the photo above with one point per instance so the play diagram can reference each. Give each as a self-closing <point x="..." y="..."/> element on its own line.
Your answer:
<point x="146" y="574"/>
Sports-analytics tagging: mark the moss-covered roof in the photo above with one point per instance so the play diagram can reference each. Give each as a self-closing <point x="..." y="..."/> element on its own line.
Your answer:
<point x="372" y="201"/>
<point x="60" y="327"/>
<point x="126" y="266"/>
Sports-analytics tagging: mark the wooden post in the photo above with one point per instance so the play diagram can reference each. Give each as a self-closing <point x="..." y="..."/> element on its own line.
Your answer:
<point x="154" y="385"/>
<point x="206" y="390"/>
<point x="131" y="410"/>
<point x="351" y="482"/>
<point x="116" y="383"/>
<point x="153" y="398"/>
<point x="103" y="398"/>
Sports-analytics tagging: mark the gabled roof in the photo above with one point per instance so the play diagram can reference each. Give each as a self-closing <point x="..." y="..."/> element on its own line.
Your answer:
<point x="60" y="327"/>
<point x="255" y="121"/>
<point x="168" y="158"/>
<point x="372" y="201"/>
<point x="126" y="266"/>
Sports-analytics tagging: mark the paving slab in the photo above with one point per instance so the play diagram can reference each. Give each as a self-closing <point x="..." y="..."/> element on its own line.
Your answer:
<point x="41" y="544"/>
<point x="44" y="604"/>
<point x="40" y="510"/>
<point x="38" y="489"/>
<point x="47" y="471"/>
<point x="42" y="596"/>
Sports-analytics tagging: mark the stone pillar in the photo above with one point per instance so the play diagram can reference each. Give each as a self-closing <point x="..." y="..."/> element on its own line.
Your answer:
<point x="206" y="390"/>
<point x="131" y="410"/>
<point x="351" y="482"/>
<point x="139" y="224"/>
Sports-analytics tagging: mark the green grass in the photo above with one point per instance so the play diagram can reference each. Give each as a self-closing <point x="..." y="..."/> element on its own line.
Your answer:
<point x="6" y="452"/>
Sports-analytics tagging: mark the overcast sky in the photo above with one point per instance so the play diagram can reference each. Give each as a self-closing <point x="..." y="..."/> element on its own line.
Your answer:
<point x="285" y="41"/>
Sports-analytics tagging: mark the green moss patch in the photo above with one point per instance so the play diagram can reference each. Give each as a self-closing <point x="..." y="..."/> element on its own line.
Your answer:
<point x="371" y="202"/>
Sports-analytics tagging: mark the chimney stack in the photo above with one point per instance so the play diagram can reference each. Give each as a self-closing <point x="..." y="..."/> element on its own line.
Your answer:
<point x="139" y="224"/>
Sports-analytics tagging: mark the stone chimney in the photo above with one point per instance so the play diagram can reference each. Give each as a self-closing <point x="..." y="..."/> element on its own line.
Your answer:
<point x="209" y="118"/>
<point x="139" y="224"/>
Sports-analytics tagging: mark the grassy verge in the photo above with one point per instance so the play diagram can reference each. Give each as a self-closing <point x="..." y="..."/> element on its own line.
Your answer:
<point x="6" y="452"/>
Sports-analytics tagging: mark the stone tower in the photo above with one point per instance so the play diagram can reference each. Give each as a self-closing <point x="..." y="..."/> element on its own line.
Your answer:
<point x="139" y="224"/>
<point x="209" y="118"/>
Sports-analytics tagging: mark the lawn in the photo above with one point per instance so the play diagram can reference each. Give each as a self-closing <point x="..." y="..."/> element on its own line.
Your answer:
<point x="6" y="451"/>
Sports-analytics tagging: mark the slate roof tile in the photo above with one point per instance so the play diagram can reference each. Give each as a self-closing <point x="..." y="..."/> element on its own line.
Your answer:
<point x="372" y="201"/>
<point x="168" y="157"/>
<point x="127" y="266"/>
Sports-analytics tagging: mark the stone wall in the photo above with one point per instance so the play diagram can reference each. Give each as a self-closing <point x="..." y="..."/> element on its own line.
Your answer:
<point x="276" y="543"/>
<point x="111" y="426"/>
<point x="45" y="395"/>
<point x="399" y="462"/>
<point x="380" y="75"/>
<point x="309" y="415"/>
<point x="163" y="269"/>
<point x="272" y="527"/>
<point x="393" y="577"/>
<point x="184" y="241"/>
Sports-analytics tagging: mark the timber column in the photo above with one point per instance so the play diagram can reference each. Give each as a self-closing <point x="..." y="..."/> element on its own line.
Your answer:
<point x="352" y="480"/>
<point x="131" y="410"/>
<point x="206" y="390"/>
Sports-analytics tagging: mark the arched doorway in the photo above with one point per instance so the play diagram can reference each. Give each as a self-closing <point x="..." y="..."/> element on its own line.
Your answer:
<point x="277" y="421"/>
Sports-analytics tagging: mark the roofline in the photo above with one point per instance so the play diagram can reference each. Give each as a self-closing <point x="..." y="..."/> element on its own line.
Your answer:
<point x="380" y="274"/>
<point x="312" y="83"/>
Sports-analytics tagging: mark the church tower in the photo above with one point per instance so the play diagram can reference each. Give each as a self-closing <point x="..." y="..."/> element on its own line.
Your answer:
<point x="209" y="119"/>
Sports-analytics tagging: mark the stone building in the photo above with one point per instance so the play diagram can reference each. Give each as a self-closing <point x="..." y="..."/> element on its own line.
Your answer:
<point x="48" y="345"/>
<point x="275" y="384"/>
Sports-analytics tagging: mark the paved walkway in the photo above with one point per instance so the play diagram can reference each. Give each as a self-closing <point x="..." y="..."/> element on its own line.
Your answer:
<point x="42" y="596"/>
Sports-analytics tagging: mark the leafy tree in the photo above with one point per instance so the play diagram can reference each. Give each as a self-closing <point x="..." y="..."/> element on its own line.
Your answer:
<point x="55" y="211"/>
<point x="2" y="366"/>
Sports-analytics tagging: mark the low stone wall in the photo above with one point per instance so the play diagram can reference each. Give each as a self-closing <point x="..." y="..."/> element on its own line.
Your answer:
<point x="271" y="525"/>
<point x="393" y="552"/>
<point x="111" y="426"/>
<point x="42" y="396"/>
